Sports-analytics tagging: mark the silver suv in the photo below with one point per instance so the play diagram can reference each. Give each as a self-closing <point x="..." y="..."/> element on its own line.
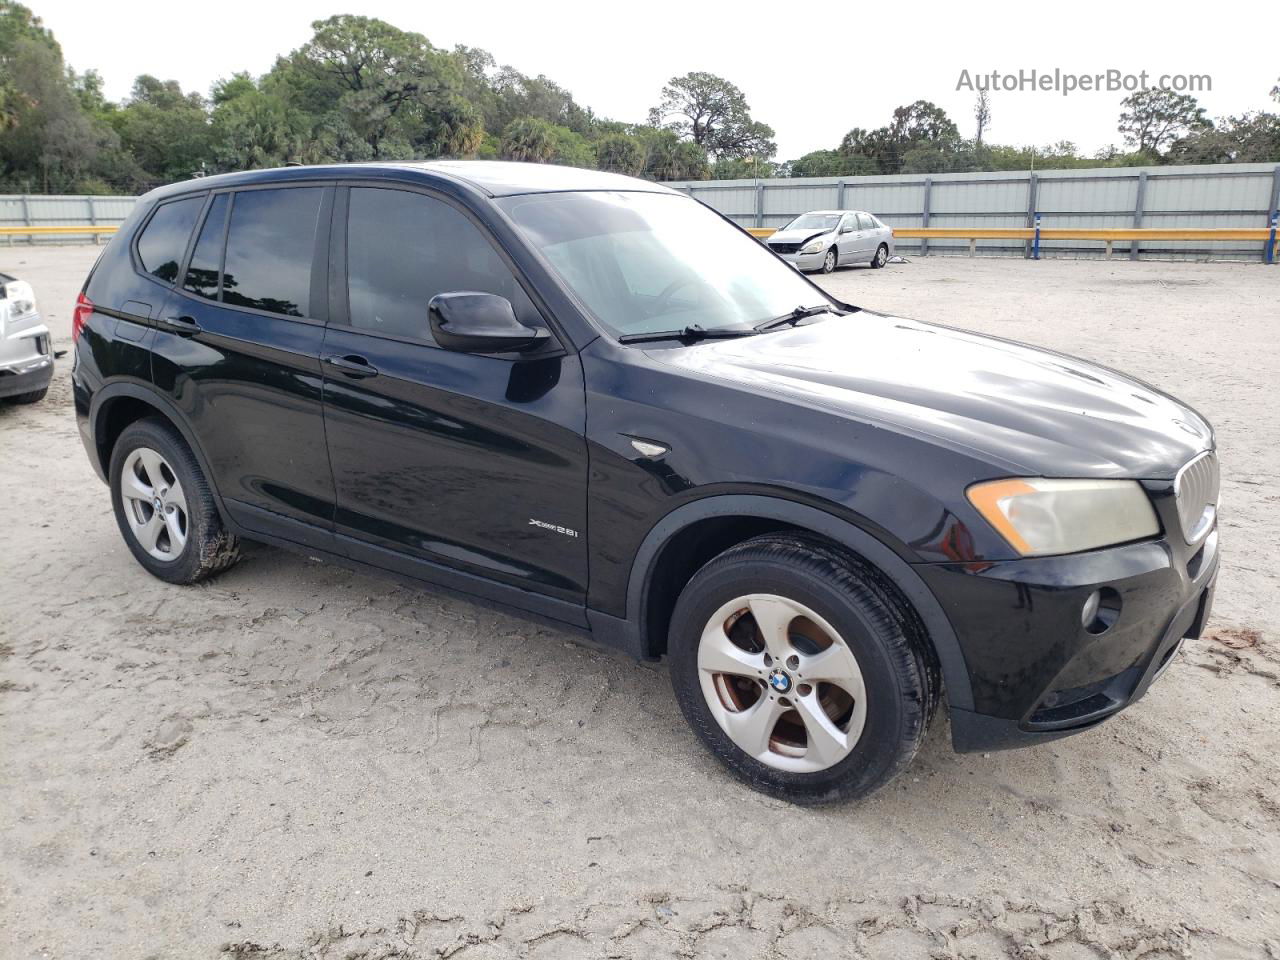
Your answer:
<point x="826" y="239"/>
<point x="26" y="351"/>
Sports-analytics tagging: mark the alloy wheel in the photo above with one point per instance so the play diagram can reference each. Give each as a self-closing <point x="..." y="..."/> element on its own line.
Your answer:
<point x="782" y="683"/>
<point x="154" y="504"/>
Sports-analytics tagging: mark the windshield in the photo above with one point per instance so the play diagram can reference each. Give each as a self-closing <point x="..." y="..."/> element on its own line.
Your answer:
<point x="814" y="221"/>
<point x="650" y="262"/>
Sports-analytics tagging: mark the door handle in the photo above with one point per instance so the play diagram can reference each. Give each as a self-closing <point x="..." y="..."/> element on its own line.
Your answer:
<point x="183" y="326"/>
<point x="352" y="366"/>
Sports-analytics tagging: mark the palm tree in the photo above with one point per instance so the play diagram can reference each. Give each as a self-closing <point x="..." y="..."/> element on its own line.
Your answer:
<point x="529" y="139"/>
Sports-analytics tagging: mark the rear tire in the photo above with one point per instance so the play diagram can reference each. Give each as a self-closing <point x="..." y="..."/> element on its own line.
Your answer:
<point x="881" y="257"/>
<point x="164" y="507"/>
<point x="35" y="396"/>
<point x="878" y="708"/>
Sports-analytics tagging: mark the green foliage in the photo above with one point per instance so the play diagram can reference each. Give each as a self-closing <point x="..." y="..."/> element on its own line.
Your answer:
<point x="667" y="157"/>
<point x="373" y="88"/>
<point x="620" y="153"/>
<point x="529" y="139"/>
<point x="920" y="137"/>
<point x="165" y="130"/>
<point x="53" y="139"/>
<point x="1250" y="138"/>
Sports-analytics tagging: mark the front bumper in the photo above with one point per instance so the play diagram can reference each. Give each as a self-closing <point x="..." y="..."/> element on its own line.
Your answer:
<point x="1035" y="672"/>
<point x="805" y="261"/>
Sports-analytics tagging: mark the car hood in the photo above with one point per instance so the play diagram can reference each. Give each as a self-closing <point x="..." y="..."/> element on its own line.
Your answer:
<point x="1026" y="410"/>
<point x="796" y="236"/>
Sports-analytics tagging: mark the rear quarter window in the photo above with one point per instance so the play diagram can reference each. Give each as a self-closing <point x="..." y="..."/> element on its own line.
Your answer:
<point x="163" y="240"/>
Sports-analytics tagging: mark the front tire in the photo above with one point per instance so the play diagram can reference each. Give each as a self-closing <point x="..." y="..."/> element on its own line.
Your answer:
<point x="800" y="671"/>
<point x="164" y="507"/>
<point x="830" y="261"/>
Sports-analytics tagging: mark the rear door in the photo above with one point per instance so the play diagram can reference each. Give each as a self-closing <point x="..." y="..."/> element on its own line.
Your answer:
<point x="867" y="237"/>
<point x="466" y="469"/>
<point x="237" y="349"/>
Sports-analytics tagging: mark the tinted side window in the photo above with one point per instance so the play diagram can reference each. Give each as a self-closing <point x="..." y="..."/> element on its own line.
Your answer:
<point x="206" y="258"/>
<point x="270" y="246"/>
<point x="164" y="239"/>
<point x="403" y="248"/>
<point x="865" y="222"/>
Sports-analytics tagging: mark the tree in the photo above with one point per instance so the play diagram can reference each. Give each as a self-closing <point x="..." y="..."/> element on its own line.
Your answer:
<point x="1153" y="119"/>
<point x="254" y="125"/>
<point x="363" y="76"/>
<point x="982" y="114"/>
<point x="620" y="153"/>
<point x="922" y="128"/>
<point x="667" y="157"/>
<point x="166" y="130"/>
<point x="50" y="142"/>
<point x="713" y="113"/>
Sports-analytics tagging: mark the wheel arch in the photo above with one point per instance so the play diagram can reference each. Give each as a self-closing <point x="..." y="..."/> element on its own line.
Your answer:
<point x="117" y="405"/>
<point x="734" y="517"/>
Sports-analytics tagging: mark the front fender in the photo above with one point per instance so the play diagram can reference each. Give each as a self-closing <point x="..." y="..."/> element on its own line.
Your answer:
<point x="633" y="630"/>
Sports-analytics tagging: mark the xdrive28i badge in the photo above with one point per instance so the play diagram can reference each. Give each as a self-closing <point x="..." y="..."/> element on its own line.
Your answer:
<point x="553" y="527"/>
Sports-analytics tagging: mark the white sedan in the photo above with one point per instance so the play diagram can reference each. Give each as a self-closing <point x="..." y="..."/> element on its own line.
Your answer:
<point x="26" y="351"/>
<point x="826" y="239"/>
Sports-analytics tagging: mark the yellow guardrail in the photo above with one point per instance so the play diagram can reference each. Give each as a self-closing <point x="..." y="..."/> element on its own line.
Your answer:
<point x="1109" y="236"/>
<point x="75" y="230"/>
<point x="973" y="234"/>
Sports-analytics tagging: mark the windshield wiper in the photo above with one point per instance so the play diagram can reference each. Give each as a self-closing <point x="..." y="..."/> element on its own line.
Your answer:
<point x="692" y="333"/>
<point x="795" y="316"/>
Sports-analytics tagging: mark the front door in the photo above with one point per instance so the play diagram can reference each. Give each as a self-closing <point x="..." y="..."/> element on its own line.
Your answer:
<point x="466" y="469"/>
<point x="848" y="238"/>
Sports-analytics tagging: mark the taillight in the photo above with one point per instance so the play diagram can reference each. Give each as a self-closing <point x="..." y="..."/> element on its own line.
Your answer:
<point x="80" y="316"/>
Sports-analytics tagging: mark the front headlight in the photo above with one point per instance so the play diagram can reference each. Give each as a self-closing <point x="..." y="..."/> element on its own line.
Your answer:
<point x="1039" y="516"/>
<point x="813" y="246"/>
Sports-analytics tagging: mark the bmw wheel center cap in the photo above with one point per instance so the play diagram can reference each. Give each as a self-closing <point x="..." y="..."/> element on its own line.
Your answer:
<point x="780" y="680"/>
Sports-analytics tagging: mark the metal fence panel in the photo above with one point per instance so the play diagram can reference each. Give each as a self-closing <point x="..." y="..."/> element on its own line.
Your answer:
<point x="47" y="210"/>
<point x="1212" y="195"/>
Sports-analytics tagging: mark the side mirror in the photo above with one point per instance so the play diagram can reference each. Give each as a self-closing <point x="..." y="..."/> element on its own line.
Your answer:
<point x="847" y="228"/>
<point x="480" y="323"/>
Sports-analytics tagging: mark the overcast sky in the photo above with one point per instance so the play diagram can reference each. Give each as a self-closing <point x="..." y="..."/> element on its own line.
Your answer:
<point x="810" y="70"/>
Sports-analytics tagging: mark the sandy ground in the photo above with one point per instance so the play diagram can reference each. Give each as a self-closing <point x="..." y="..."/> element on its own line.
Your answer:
<point x="295" y="761"/>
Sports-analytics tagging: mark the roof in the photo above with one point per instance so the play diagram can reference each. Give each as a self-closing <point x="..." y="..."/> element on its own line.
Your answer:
<point x="491" y="177"/>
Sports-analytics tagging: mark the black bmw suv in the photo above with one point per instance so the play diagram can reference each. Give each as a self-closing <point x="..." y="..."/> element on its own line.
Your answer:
<point x="592" y="400"/>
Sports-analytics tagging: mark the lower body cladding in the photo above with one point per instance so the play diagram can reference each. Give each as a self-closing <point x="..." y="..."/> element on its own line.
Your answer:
<point x="1055" y="645"/>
